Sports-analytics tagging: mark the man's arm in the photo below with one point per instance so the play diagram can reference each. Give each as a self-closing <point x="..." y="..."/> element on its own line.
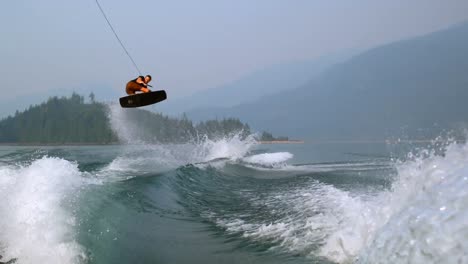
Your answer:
<point x="141" y="82"/>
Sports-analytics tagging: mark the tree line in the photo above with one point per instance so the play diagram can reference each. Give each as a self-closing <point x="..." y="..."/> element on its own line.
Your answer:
<point x="72" y="120"/>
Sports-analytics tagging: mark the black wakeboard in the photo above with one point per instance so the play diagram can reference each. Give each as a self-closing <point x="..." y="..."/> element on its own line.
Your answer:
<point x="142" y="99"/>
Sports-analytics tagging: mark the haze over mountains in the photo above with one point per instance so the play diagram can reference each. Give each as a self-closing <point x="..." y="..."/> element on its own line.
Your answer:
<point x="413" y="88"/>
<point x="252" y="87"/>
<point x="267" y="81"/>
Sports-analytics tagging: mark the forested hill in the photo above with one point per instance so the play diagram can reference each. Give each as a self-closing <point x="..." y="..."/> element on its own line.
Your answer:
<point x="72" y="120"/>
<point x="59" y="120"/>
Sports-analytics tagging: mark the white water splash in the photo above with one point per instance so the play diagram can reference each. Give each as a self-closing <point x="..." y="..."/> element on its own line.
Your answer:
<point x="35" y="227"/>
<point x="158" y="158"/>
<point x="202" y="150"/>
<point x="143" y="156"/>
<point x="119" y="121"/>
<point x="423" y="218"/>
<point x="269" y="159"/>
<point x="427" y="213"/>
<point x="233" y="147"/>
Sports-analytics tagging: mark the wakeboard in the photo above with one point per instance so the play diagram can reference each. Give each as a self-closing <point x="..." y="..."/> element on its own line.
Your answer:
<point x="143" y="99"/>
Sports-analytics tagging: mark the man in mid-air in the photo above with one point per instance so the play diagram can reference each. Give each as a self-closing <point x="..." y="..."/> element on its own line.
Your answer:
<point x="139" y="84"/>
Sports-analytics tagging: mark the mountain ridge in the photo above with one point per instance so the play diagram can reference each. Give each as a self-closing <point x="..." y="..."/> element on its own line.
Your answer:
<point x="413" y="84"/>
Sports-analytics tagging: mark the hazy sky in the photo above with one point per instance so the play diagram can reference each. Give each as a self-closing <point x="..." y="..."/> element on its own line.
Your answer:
<point x="192" y="45"/>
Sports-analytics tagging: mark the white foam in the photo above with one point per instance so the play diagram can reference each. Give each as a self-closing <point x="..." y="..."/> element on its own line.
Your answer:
<point x="173" y="155"/>
<point x="122" y="164"/>
<point x="137" y="159"/>
<point x="134" y="160"/>
<point x="269" y="159"/>
<point x="35" y="226"/>
<point x="308" y="220"/>
<point x="427" y="212"/>
<point x="423" y="219"/>
<point x="232" y="147"/>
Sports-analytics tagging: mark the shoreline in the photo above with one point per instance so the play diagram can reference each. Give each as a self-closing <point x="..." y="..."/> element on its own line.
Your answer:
<point x="262" y="142"/>
<point x="281" y="142"/>
<point x="385" y="141"/>
<point x="71" y="144"/>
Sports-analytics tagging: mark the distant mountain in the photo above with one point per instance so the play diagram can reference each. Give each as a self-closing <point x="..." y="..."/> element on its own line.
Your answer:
<point x="415" y="87"/>
<point x="258" y="84"/>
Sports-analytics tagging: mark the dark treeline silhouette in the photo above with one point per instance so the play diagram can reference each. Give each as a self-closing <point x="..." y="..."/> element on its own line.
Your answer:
<point x="72" y="120"/>
<point x="154" y="127"/>
<point x="265" y="136"/>
<point x="59" y="120"/>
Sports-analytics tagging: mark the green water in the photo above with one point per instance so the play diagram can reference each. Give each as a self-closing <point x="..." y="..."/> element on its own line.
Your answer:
<point x="304" y="203"/>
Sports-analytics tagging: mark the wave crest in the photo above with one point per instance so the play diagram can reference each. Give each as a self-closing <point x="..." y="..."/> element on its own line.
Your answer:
<point x="36" y="226"/>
